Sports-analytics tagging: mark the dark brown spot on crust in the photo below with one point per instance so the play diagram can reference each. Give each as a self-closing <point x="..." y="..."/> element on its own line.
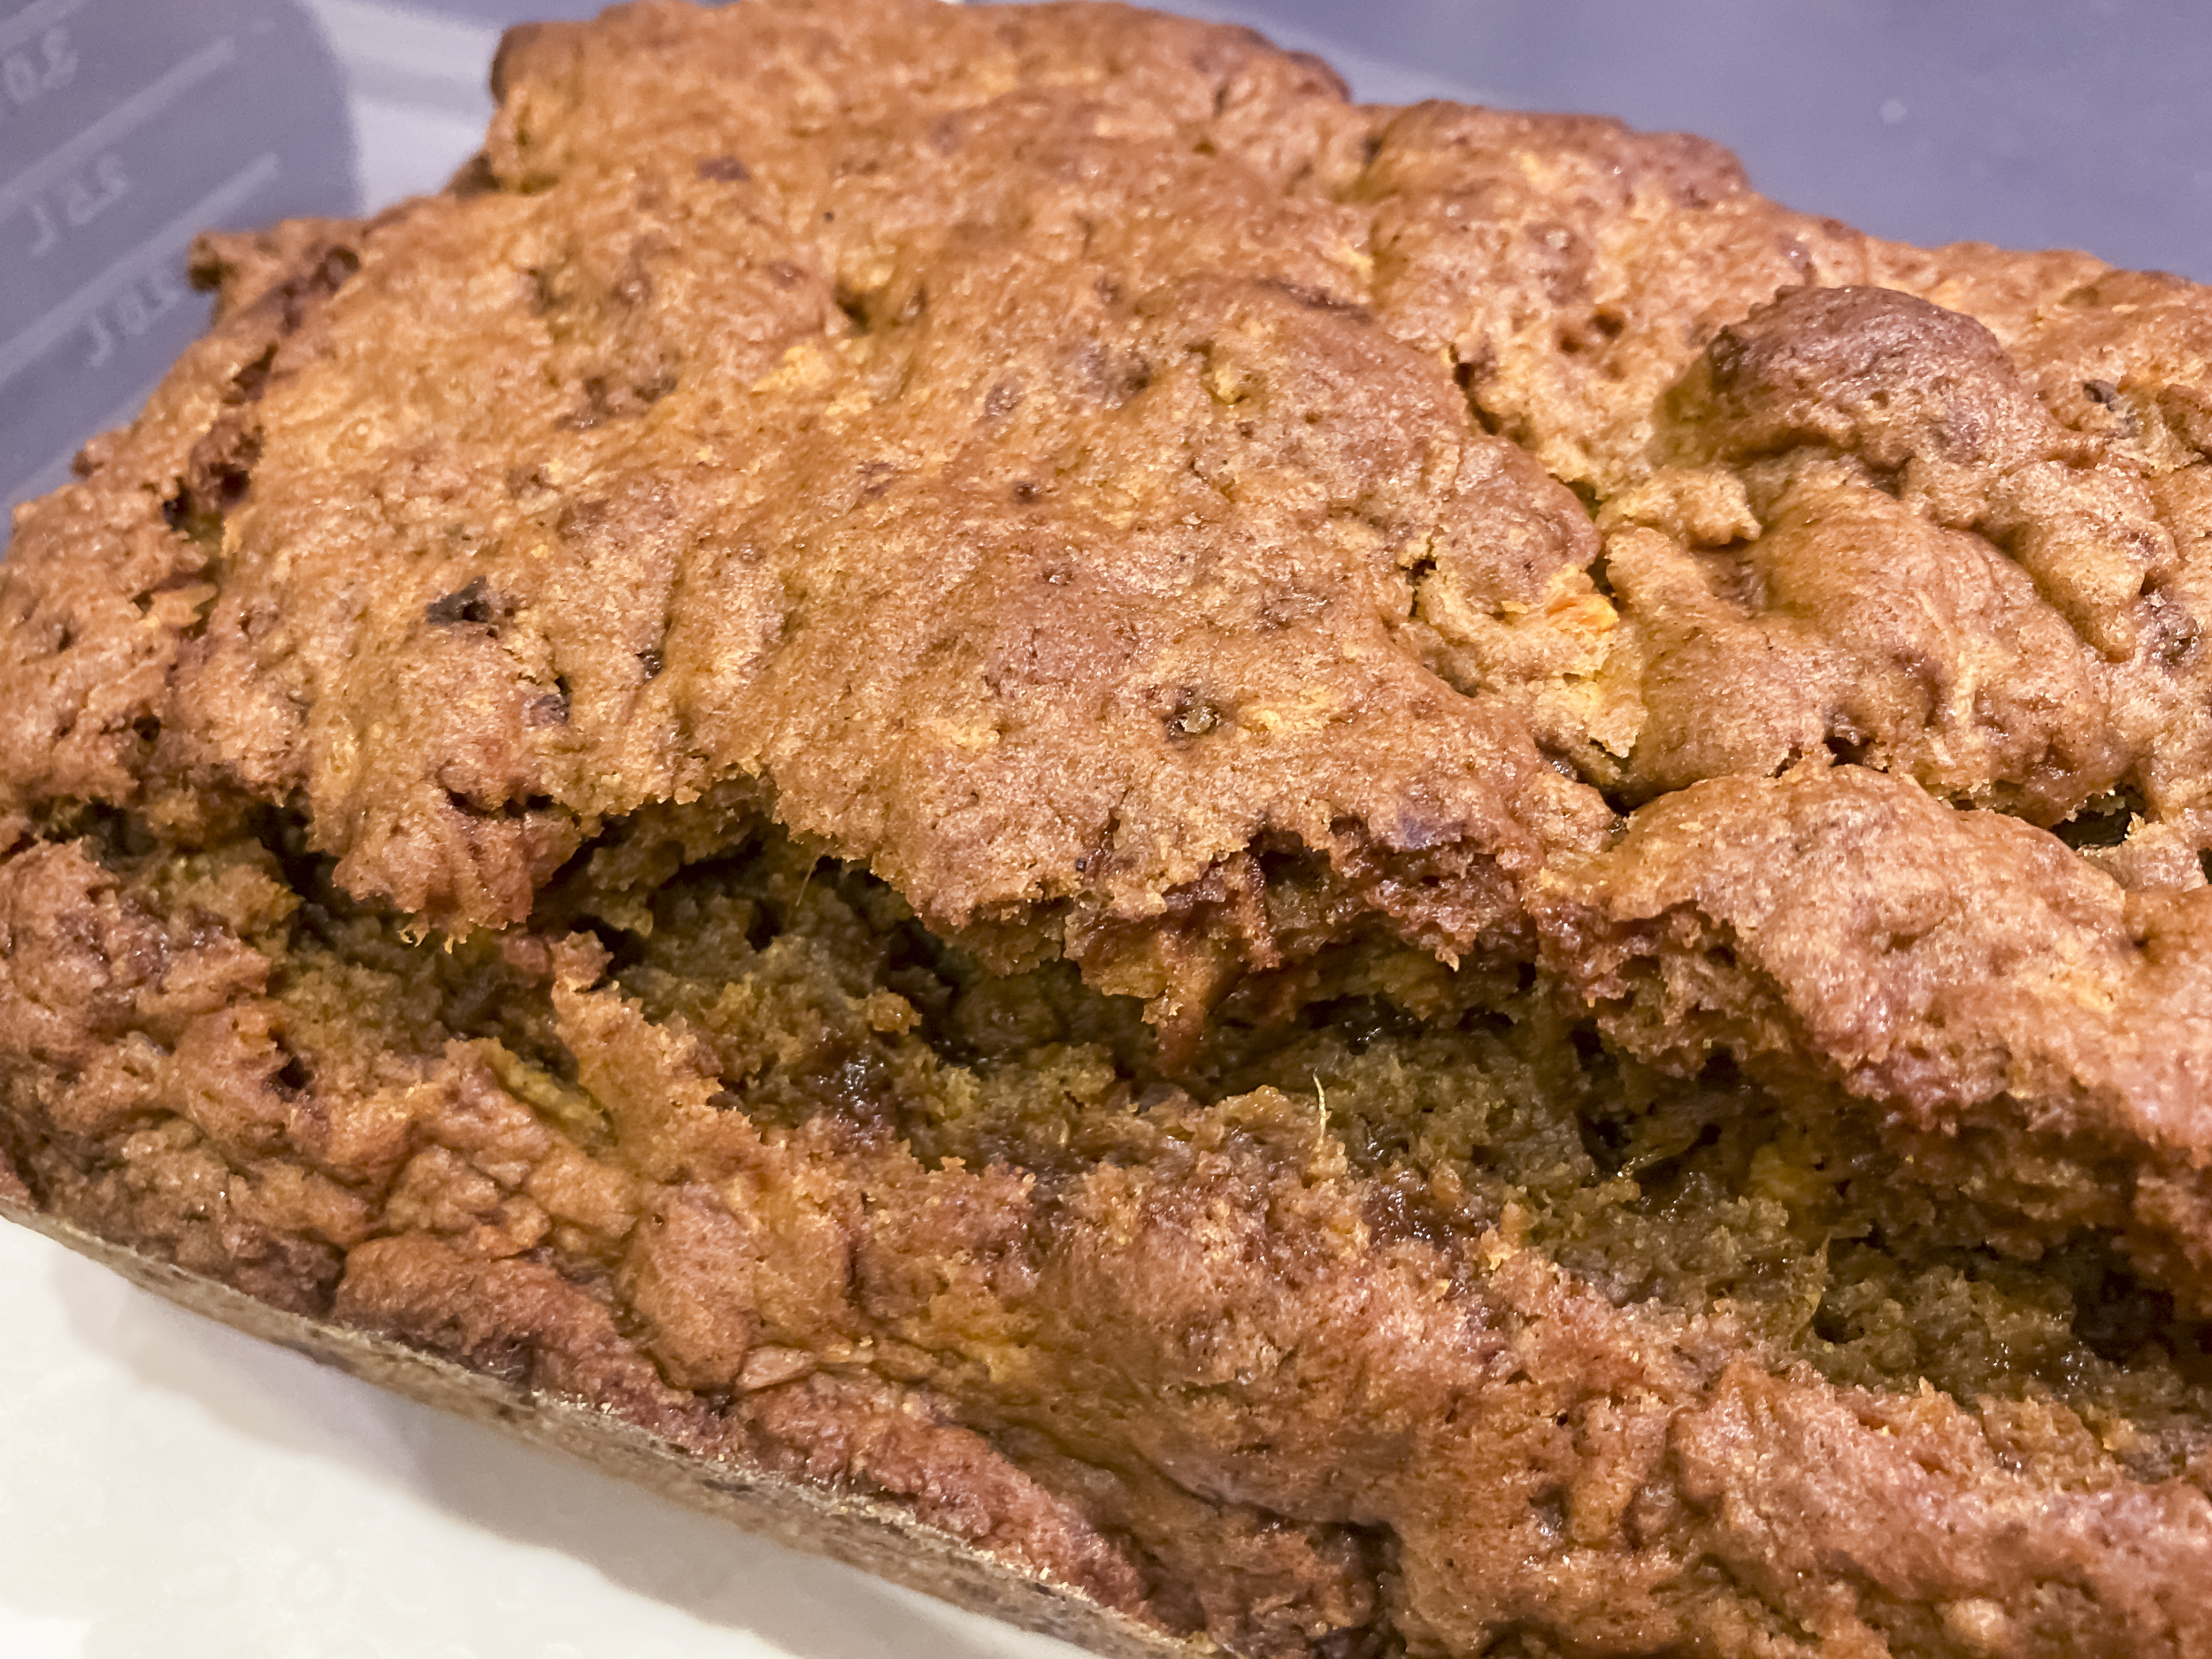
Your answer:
<point x="1391" y="949"/>
<point x="475" y="604"/>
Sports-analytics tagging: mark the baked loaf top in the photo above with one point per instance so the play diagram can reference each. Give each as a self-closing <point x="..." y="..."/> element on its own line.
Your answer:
<point x="1380" y="877"/>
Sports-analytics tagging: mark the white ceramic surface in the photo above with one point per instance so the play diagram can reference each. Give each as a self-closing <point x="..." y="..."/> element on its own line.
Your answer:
<point x="169" y="1487"/>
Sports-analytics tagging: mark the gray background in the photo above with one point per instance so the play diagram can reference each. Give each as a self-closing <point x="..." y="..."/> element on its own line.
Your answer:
<point x="169" y="1487"/>
<point x="2033" y="123"/>
<point x="125" y="127"/>
<point x="2038" y="123"/>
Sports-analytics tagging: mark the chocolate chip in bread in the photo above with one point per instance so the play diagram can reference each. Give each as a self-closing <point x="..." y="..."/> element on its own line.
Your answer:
<point x="1369" y="880"/>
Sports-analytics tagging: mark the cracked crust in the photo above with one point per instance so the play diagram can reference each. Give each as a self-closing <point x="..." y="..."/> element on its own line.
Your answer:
<point x="1365" y="880"/>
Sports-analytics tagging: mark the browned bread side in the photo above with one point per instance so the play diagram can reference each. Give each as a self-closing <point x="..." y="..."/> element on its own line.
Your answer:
<point x="1356" y="879"/>
<point x="875" y="1535"/>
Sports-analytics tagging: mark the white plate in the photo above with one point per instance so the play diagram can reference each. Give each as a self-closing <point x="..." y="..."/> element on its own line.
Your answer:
<point x="170" y="1488"/>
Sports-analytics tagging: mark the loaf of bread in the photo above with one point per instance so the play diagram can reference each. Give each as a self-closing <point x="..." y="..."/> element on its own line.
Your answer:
<point x="1236" y="873"/>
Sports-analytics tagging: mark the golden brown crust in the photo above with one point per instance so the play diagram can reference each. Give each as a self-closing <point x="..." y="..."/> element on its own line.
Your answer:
<point x="879" y="1535"/>
<point x="1645" y="757"/>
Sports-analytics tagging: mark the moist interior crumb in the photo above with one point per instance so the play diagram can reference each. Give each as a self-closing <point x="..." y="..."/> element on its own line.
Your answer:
<point x="1377" y="880"/>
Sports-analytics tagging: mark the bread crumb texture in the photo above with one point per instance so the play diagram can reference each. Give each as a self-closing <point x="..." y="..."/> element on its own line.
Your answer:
<point x="1381" y="880"/>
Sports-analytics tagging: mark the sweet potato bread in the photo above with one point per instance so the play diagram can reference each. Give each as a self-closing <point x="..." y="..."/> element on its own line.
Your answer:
<point x="1245" y="872"/>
